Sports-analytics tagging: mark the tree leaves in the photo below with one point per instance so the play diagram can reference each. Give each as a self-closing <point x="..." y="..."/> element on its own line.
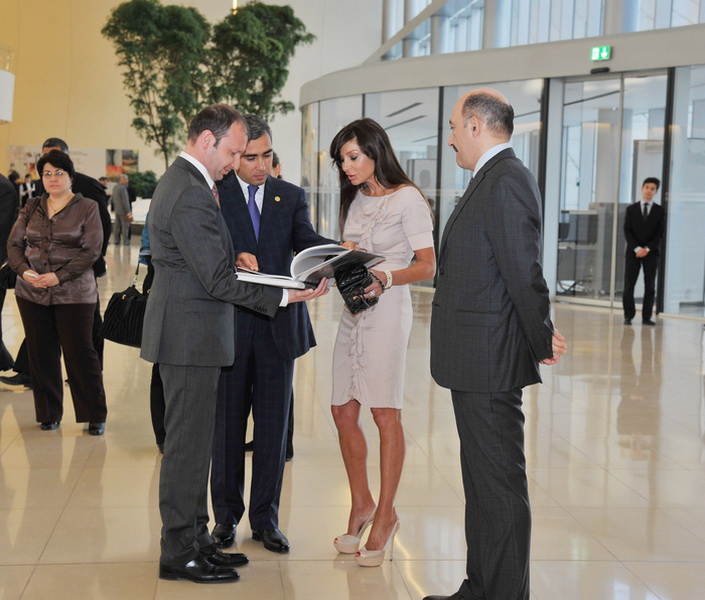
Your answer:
<point x="174" y="63"/>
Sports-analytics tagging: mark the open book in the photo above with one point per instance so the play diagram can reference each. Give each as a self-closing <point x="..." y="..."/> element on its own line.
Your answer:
<point x="311" y="265"/>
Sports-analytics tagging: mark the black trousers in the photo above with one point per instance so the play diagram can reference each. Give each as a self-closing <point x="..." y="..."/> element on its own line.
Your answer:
<point x="497" y="511"/>
<point x="632" y="265"/>
<point x="259" y="381"/>
<point x="22" y="360"/>
<point x="49" y="331"/>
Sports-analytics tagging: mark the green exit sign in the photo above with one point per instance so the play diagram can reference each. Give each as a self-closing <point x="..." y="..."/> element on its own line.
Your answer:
<point x="601" y="53"/>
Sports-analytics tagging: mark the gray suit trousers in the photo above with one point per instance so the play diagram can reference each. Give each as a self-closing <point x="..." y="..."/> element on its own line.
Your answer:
<point x="190" y="395"/>
<point x="497" y="512"/>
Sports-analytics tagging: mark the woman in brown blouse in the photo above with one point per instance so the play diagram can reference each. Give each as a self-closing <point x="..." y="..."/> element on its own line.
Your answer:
<point x="55" y="241"/>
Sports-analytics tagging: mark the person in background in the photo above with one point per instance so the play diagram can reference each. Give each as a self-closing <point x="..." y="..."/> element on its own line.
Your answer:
<point x="490" y="328"/>
<point x="53" y="245"/>
<point x="27" y="189"/>
<point x="644" y="224"/>
<point x="123" y="211"/>
<point x="276" y="166"/>
<point x="156" y="387"/>
<point x="8" y="214"/>
<point x="384" y="212"/>
<point x="91" y="189"/>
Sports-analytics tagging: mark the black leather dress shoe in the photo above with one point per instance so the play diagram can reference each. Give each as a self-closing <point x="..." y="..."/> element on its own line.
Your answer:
<point x="627" y="321"/>
<point x="224" y="535"/>
<point x="19" y="379"/>
<point x="273" y="539"/>
<point x="648" y="322"/>
<point x="199" y="570"/>
<point x="455" y="596"/>
<point x="50" y="426"/>
<point x="96" y="428"/>
<point x="222" y="559"/>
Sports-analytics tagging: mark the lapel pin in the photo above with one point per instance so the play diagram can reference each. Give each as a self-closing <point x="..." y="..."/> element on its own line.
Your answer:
<point x="277" y="199"/>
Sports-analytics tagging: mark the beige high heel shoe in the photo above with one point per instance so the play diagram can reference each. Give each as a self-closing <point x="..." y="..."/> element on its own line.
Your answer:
<point x="374" y="558"/>
<point x="349" y="544"/>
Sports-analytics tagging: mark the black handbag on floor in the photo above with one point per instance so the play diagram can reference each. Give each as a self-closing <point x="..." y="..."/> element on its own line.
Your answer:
<point x="124" y="316"/>
<point x="351" y="281"/>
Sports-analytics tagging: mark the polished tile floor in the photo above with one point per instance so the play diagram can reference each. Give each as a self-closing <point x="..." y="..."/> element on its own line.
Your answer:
<point x="614" y="440"/>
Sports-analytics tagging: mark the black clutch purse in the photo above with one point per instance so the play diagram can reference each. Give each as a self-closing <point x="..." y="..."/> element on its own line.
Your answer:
<point x="124" y="317"/>
<point x="351" y="281"/>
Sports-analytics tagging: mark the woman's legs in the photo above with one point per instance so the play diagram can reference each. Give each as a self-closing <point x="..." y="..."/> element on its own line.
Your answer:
<point x="353" y="447"/>
<point x="44" y="355"/>
<point x="392" y="450"/>
<point x="74" y="323"/>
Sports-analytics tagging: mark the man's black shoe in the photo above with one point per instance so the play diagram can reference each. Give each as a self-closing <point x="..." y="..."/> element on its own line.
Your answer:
<point x="19" y="379"/>
<point x="222" y="559"/>
<point x="96" y="428"/>
<point x="198" y="570"/>
<point x="627" y="321"/>
<point x="273" y="539"/>
<point x="455" y="596"/>
<point x="50" y="426"/>
<point x="224" y="535"/>
<point x="648" y="322"/>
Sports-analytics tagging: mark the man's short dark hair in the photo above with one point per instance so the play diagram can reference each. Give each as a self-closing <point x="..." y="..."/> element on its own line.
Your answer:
<point x="56" y="143"/>
<point x="655" y="180"/>
<point x="497" y="115"/>
<point x="58" y="160"/>
<point x="258" y="127"/>
<point x="217" y="118"/>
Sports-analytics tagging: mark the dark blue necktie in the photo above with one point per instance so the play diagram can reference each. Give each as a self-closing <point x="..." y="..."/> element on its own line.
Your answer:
<point x="646" y="211"/>
<point x="253" y="209"/>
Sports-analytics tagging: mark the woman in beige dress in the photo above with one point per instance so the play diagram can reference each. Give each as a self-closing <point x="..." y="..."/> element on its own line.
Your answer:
<point x="381" y="210"/>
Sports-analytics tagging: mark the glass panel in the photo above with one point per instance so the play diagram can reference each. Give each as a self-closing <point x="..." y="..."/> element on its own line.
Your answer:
<point x="588" y="186"/>
<point x="609" y="149"/>
<point x="309" y="163"/>
<point x="684" y="290"/>
<point x="643" y="119"/>
<point x="410" y="118"/>
<point x="525" y="97"/>
<point x="334" y="115"/>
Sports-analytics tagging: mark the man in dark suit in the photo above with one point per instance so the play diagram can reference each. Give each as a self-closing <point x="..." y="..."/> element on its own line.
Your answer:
<point x="268" y="221"/>
<point x="188" y="330"/>
<point x="490" y="327"/>
<point x="89" y="188"/>
<point x="8" y="214"/>
<point x="644" y="223"/>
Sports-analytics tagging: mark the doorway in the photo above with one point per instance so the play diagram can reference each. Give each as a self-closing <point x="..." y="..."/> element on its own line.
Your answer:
<point x="612" y="139"/>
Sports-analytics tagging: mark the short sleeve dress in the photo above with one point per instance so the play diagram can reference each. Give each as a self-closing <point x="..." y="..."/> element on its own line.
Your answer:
<point x="370" y="348"/>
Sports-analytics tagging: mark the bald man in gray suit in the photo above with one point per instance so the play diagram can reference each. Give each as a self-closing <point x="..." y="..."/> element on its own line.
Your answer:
<point x="490" y="328"/>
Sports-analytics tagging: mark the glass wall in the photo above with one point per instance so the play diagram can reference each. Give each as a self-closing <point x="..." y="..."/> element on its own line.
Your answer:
<point x="334" y="115"/>
<point x="684" y="267"/>
<point x="660" y="14"/>
<point x="613" y="132"/>
<point x="537" y="21"/>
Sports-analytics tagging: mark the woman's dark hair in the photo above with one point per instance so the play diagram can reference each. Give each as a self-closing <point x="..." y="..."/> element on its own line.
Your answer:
<point x="58" y="160"/>
<point x="374" y="143"/>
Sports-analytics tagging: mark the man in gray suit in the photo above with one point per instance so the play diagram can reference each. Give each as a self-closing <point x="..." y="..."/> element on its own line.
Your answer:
<point x="490" y="328"/>
<point x="188" y="330"/>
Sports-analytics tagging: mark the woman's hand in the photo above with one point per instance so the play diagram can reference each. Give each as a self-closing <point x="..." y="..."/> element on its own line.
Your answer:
<point x="46" y="280"/>
<point x="379" y="280"/>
